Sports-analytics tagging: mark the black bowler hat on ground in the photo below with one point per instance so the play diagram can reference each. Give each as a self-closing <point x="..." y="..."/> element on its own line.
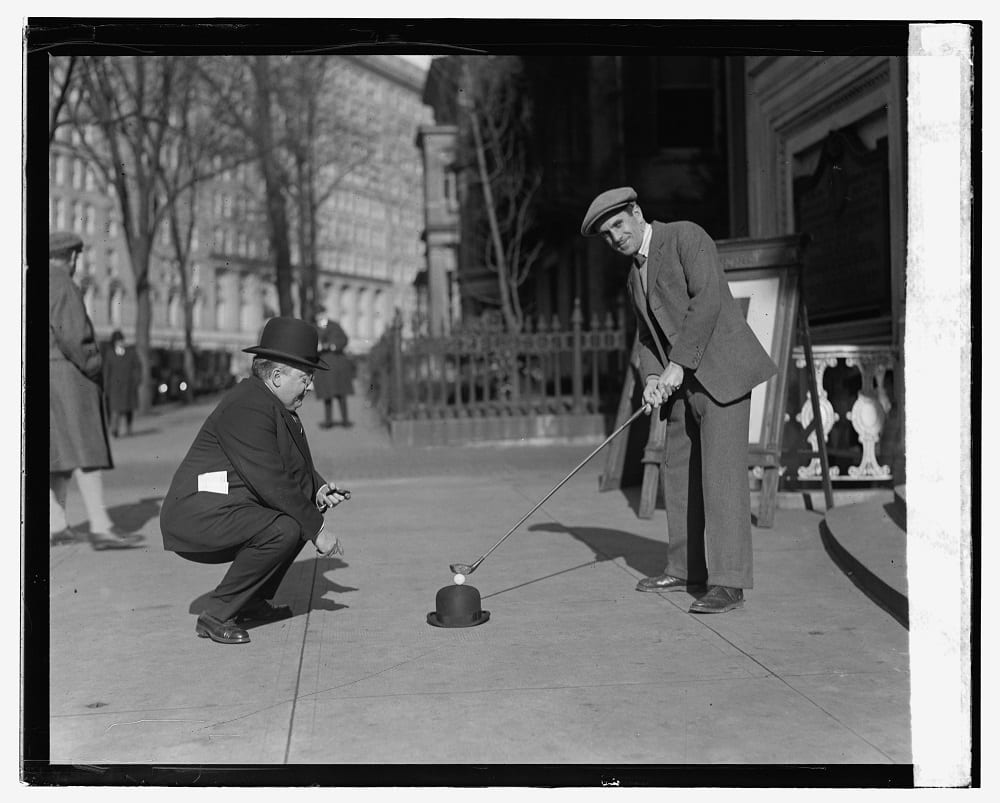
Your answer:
<point x="64" y="242"/>
<point x="604" y="204"/>
<point x="291" y="341"/>
<point x="458" y="606"/>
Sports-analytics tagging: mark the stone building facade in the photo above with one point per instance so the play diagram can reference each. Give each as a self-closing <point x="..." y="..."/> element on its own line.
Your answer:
<point x="370" y="242"/>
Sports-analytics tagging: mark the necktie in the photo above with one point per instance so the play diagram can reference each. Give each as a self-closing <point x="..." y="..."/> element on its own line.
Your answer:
<point x="640" y="262"/>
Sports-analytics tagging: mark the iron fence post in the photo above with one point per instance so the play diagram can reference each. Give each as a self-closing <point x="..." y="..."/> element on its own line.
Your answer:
<point x="397" y="365"/>
<point x="577" y="321"/>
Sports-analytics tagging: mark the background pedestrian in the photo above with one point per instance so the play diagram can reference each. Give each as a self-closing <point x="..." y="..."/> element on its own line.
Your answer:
<point x="121" y="382"/>
<point x="338" y="382"/>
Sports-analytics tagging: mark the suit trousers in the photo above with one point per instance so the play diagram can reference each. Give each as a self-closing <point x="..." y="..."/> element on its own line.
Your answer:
<point x="258" y="567"/>
<point x="706" y="488"/>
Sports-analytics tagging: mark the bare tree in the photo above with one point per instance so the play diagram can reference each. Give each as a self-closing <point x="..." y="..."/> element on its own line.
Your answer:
<point x="494" y="100"/>
<point x="60" y="84"/>
<point x="120" y="108"/>
<point x="322" y="147"/>
<point x="245" y="99"/>
<point x="194" y="156"/>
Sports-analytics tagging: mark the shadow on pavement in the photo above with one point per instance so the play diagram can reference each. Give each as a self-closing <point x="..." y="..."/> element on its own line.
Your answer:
<point x="296" y="589"/>
<point x="646" y="556"/>
<point x="139" y="432"/>
<point x="134" y="516"/>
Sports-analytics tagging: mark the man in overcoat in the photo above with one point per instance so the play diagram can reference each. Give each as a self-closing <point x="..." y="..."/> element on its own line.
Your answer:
<point x="699" y="357"/>
<point x="78" y="439"/>
<point x="247" y="492"/>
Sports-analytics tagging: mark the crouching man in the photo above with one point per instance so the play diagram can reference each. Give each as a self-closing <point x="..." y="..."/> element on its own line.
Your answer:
<point x="247" y="493"/>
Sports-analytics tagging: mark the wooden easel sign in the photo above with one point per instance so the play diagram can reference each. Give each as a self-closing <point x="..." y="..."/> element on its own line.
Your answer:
<point x="764" y="278"/>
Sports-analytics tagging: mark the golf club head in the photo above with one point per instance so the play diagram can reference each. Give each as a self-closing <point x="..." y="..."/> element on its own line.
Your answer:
<point x="461" y="568"/>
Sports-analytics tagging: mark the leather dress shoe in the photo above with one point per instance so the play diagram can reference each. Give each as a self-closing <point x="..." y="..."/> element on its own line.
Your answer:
<point x="67" y="535"/>
<point x="116" y="539"/>
<point x="719" y="599"/>
<point x="262" y="612"/>
<point x="227" y="632"/>
<point x="666" y="582"/>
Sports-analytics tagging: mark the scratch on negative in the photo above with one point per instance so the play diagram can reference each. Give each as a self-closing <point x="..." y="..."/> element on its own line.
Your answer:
<point x="140" y="721"/>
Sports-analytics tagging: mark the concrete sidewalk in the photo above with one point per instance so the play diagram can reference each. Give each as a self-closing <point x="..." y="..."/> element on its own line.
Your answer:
<point x="574" y="666"/>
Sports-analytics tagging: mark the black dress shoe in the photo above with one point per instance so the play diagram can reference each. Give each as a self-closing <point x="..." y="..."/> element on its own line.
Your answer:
<point x="326" y="425"/>
<point x="223" y="632"/>
<point x="719" y="599"/>
<point x="666" y="582"/>
<point x="116" y="539"/>
<point x="67" y="535"/>
<point x="262" y="612"/>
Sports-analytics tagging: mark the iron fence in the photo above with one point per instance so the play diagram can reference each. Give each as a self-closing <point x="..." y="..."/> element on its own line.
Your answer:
<point x="481" y="369"/>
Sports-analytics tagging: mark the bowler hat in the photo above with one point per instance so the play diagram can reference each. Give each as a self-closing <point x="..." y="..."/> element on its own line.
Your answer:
<point x="60" y="241"/>
<point x="290" y="341"/>
<point x="607" y="202"/>
<point x="458" y="606"/>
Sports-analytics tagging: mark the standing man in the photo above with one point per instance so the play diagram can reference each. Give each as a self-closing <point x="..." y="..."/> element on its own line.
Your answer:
<point x="121" y="382"/>
<point x="701" y="359"/>
<point x="247" y="492"/>
<point x="336" y="383"/>
<point x="78" y="438"/>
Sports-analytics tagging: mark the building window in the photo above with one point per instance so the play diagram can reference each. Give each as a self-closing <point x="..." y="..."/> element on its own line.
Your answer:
<point x="116" y="301"/>
<point x="174" y="310"/>
<point x="685" y="102"/>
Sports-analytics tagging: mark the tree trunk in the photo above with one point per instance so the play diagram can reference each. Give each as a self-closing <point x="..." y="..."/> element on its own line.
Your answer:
<point x="513" y="323"/>
<point x="143" y="318"/>
<point x="277" y="215"/>
<point x="190" y="366"/>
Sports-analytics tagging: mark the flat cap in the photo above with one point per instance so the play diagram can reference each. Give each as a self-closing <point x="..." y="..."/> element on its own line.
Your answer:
<point x="60" y="241"/>
<point x="608" y="201"/>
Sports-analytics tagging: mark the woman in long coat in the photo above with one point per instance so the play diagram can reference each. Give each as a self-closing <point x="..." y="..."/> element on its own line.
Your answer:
<point x="121" y="382"/>
<point x="78" y="441"/>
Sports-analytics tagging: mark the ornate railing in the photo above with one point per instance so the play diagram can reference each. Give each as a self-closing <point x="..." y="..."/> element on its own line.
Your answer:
<point x="860" y="380"/>
<point x="483" y="370"/>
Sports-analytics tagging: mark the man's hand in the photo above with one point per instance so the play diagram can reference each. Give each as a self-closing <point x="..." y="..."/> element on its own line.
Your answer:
<point x="652" y="394"/>
<point x="327" y="544"/>
<point x="328" y="497"/>
<point x="670" y="379"/>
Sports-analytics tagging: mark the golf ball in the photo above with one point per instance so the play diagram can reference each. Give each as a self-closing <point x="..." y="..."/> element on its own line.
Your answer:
<point x="459" y="579"/>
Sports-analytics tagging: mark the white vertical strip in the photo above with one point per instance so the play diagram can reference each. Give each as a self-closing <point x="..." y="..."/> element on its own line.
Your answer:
<point x="938" y="353"/>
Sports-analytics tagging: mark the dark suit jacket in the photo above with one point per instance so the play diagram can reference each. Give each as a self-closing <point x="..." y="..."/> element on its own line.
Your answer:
<point x="692" y="318"/>
<point x="269" y="471"/>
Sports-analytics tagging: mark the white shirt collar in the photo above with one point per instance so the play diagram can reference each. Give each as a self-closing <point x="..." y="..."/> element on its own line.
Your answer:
<point x="647" y="235"/>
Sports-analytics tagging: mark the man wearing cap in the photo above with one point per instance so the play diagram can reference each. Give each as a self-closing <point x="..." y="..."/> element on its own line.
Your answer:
<point x="247" y="491"/>
<point x="700" y="358"/>
<point x="78" y="439"/>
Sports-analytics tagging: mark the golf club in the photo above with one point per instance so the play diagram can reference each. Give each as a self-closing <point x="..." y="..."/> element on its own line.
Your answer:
<point x="466" y="569"/>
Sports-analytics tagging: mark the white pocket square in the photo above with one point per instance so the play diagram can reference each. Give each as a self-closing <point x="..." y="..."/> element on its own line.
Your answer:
<point x="215" y="482"/>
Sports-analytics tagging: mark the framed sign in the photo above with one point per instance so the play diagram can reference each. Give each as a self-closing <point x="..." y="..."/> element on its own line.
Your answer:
<point x="764" y="278"/>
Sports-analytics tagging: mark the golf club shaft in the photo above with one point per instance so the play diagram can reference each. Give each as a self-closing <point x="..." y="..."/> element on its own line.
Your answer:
<point x="566" y="479"/>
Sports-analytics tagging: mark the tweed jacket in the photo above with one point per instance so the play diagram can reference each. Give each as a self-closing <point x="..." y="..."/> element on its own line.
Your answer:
<point x="249" y="464"/>
<point x="77" y="433"/>
<point x="689" y="315"/>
